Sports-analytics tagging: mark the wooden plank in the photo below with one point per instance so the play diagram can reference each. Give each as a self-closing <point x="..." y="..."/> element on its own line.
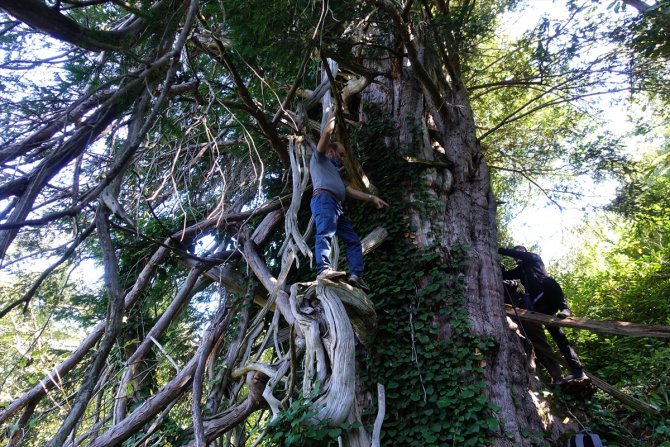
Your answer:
<point x="606" y="327"/>
<point x="622" y="397"/>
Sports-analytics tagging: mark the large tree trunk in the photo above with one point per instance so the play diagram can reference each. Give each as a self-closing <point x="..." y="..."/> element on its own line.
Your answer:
<point x="464" y="214"/>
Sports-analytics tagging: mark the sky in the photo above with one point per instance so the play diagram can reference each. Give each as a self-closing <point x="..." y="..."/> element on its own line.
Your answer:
<point x="545" y="225"/>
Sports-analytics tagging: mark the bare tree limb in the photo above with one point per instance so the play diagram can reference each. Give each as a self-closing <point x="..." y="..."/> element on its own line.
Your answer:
<point x="16" y="437"/>
<point x="167" y="394"/>
<point x="196" y="397"/>
<point x="606" y="327"/>
<point x="53" y="378"/>
<point x="48" y="20"/>
<point x="182" y="298"/>
<point x="379" y="420"/>
<point x="112" y="328"/>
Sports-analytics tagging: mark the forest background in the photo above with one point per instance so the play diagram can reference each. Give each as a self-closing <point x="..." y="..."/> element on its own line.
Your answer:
<point x="543" y="93"/>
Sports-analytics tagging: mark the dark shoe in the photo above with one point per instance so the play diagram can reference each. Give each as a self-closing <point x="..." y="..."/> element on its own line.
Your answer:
<point x="565" y="313"/>
<point x="330" y="274"/>
<point x="357" y="281"/>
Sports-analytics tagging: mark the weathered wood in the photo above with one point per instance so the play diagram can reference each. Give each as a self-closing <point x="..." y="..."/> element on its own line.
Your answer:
<point x="379" y="420"/>
<point x="236" y="414"/>
<point x="330" y="348"/>
<point x="622" y="397"/>
<point x="607" y="327"/>
<point x="174" y="388"/>
<point x="236" y="282"/>
<point x="360" y="310"/>
<point x="374" y="239"/>
<point x="132" y="365"/>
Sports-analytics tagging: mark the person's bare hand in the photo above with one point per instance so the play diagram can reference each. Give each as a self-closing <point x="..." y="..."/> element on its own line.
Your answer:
<point x="565" y="313"/>
<point x="379" y="203"/>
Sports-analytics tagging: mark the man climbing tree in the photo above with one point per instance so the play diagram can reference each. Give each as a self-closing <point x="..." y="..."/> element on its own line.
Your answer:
<point x="328" y="195"/>
<point x="193" y="117"/>
<point x="191" y="112"/>
<point x="533" y="331"/>
<point x="543" y="294"/>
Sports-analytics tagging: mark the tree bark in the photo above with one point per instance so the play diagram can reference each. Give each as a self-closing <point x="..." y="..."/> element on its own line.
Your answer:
<point x="464" y="215"/>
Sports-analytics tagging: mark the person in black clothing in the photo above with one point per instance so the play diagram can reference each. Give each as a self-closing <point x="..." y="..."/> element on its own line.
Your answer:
<point x="543" y="295"/>
<point x="534" y="332"/>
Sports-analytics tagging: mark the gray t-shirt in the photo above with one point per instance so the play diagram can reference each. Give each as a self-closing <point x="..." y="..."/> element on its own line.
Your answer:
<point x="326" y="176"/>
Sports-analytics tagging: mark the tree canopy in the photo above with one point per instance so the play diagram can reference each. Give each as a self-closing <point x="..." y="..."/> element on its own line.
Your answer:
<point x="157" y="286"/>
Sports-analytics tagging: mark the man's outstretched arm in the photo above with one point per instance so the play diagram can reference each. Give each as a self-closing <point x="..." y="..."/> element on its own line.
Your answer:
<point x="518" y="254"/>
<point x="325" y="135"/>
<point x="365" y="197"/>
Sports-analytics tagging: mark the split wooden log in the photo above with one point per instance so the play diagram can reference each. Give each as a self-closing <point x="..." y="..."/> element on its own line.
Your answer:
<point x="636" y="330"/>
<point x="607" y="327"/>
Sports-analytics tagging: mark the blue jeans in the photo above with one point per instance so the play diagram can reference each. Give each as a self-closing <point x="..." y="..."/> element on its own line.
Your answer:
<point x="330" y="220"/>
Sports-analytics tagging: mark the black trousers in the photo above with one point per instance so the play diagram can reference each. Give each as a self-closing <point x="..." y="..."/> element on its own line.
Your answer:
<point x="551" y="301"/>
<point x="543" y="349"/>
<point x="569" y="354"/>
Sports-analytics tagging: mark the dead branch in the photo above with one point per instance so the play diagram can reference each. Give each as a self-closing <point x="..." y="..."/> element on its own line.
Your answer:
<point x="236" y="414"/>
<point x="167" y="394"/>
<point x="186" y="292"/>
<point x="606" y="327"/>
<point x="16" y="437"/>
<point x="54" y="378"/>
<point x="381" y="404"/>
<point x="112" y="327"/>
<point x="222" y="379"/>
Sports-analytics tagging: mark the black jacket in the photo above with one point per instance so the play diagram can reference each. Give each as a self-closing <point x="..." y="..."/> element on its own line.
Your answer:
<point x="532" y="274"/>
<point x="529" y="269"/>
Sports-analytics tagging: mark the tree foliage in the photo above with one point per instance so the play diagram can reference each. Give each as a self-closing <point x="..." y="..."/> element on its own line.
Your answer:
<point x="166" y="141"/>
<point x="619" y="272"/>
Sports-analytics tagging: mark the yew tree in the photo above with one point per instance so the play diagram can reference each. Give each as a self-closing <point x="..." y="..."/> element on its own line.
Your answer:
<point x="167" y="141"/>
